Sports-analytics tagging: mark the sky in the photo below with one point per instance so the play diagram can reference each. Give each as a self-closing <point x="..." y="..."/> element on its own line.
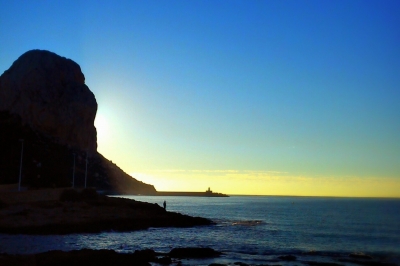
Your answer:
<point x="251" y="97"/>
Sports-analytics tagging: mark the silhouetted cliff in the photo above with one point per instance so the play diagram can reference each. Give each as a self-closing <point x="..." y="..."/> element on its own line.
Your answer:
<point x="49" y="93"/>
<point x="45" y="102"/>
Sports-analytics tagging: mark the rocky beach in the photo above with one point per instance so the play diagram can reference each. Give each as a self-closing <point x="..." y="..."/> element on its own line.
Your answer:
<point x="68" y="211"/>
<point x="87" y="212"/>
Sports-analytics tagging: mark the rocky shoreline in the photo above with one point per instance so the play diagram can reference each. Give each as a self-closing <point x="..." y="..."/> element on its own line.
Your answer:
<point x="107" y="257"/>
<point x="87" y="212"/>
<point x="179" y="256"/>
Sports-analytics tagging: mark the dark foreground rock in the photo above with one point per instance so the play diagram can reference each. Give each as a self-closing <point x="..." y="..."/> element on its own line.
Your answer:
<point x="86" y="257"/>
<point x="89" y="213"/>
<point x="193" y="252"/>
<point x="191" y="256"/>
<point x="82" y="257"/>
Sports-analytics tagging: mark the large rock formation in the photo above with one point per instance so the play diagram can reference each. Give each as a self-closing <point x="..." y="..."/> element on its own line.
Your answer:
<point x="49" y="93"/>
<point x="45" y="102"/>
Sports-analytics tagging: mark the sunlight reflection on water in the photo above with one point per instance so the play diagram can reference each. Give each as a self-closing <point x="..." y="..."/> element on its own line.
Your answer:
<point x="248" y="226"/>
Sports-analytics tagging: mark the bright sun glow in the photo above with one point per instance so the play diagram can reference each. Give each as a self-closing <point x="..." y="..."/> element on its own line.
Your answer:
<point x="101" y="125"/>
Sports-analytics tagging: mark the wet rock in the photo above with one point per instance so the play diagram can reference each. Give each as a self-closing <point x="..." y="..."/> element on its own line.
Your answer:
<point x="193" y="252"/>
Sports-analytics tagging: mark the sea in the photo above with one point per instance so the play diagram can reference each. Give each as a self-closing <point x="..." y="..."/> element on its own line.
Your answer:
<point x="252" y="229"/>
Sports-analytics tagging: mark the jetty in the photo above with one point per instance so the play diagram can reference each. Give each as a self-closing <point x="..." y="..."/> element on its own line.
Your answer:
<point x="207" y="193"/>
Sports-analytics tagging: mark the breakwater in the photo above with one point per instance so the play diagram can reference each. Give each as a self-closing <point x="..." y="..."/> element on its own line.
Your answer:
<point x="190" y="194"/>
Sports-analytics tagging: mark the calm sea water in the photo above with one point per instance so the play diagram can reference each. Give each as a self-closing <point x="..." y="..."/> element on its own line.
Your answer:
<point x="250" y="228"/>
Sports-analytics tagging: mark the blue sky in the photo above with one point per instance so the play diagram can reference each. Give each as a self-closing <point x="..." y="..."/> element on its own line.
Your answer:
<point x="300" y="94"/>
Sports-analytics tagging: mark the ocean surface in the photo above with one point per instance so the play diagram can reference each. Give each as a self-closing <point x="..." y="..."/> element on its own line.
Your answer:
<point x="251" y="229"/>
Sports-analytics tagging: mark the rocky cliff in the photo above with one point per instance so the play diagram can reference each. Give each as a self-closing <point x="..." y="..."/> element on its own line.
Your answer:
<point x="49" y="93"/>
<point x="45" y="102"/>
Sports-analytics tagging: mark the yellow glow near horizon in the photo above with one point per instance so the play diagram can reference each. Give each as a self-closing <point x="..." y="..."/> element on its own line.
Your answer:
<point x="268" y="183"/>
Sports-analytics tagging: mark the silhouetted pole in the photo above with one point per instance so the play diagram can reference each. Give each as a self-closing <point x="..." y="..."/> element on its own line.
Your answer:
<point x="73" y="173"/>
<point x="20" y="164"/>
<point x="86" y="170"/>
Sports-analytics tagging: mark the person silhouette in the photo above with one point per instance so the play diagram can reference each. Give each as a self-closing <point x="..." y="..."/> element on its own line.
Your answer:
<point x="165" y="205"/>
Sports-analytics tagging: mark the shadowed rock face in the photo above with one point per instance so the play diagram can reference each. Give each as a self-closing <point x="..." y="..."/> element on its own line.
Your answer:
<point x="45" y="102"/>
<point x="49" y="93"/>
